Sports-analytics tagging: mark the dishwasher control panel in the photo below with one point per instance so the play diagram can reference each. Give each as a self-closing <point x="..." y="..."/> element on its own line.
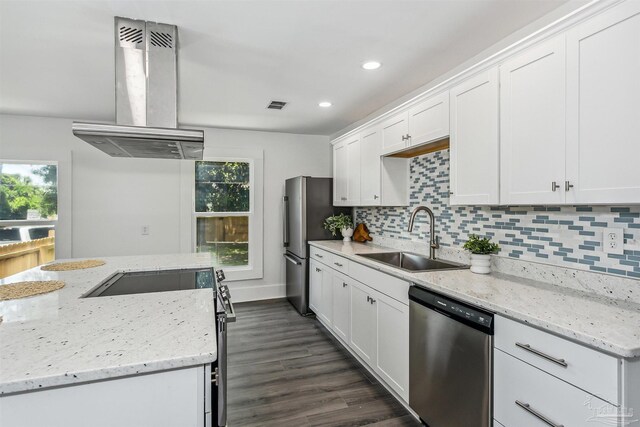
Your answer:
<point x="463" y="311"/>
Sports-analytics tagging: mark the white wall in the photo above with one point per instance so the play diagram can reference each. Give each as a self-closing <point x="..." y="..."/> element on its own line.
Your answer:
<point x="105" y="201"/>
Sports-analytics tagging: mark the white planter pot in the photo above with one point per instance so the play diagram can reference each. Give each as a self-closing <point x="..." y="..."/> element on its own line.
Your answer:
<point x="481" y="264"/>
<point x="346" y="234"/>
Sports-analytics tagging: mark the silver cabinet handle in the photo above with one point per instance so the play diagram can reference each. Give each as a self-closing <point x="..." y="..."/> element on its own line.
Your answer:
<point x="285" y="225"/>
<point x="373" y="301"/>
<point x="554" y="186"/>
<point x="530" y="349"/>
<point x="368" y="299"/>
<point x="567" y="186"/>
<point x="375" y="197"/>
<point x="537" y="414"/>
<point x="319" y="256"/>
<point x="291" y="260"/>
<point x="344" y="284"/>
<point x="343" y="199"/>
<point x="318" y="270"/>
<point x="338" y="264"/>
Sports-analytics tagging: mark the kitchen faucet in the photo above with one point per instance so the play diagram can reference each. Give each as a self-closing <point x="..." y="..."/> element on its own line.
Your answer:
<point x="433" y="239"/>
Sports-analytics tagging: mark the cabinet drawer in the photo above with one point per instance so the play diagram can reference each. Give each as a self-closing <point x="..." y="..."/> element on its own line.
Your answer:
<point x="583" y="367"/>
<point x="524" y="395"/>
<point x="339" y="263"/>
<point x="321" y="255"/>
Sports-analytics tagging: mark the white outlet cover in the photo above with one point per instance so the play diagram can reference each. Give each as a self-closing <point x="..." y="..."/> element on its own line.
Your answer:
<point x="613" y="240"/>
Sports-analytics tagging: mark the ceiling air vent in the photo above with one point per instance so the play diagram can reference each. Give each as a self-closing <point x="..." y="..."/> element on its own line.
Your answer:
<point x="159" y="39"/>
<point x="130" y="35"/>
<point x="276" y="105"/>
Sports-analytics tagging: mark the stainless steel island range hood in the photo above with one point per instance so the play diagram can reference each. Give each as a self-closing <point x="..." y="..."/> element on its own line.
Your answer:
<point x="146" y="98"/>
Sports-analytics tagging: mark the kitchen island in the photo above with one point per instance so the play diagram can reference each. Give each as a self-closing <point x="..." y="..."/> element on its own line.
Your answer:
<point x="60" y="342"/>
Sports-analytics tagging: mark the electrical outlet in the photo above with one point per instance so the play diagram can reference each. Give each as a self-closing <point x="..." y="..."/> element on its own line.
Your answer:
<point x="145" y="230"/>
<point x="613" y="240"/>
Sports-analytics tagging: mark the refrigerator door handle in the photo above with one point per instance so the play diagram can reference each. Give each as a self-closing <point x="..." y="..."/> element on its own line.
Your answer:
<point x="285" y="225"/>
<point x="292" y="260"/>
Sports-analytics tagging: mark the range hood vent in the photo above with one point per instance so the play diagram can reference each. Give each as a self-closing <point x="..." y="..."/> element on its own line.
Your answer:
<point x="146" y="98"/>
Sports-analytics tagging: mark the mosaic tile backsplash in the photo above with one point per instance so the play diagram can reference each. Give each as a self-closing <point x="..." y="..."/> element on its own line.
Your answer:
<point x="569" y="236"/>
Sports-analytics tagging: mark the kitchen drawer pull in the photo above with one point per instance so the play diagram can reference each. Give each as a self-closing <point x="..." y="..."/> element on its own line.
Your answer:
<point x="338" y="264"/>
<point x="319" y="256"/>
<point x="368" y="299"/>
<point x="318" y="270"/>
<point x="344" y="284"/>
<point x="530" y="349"/>
<point x="537" y="414"/>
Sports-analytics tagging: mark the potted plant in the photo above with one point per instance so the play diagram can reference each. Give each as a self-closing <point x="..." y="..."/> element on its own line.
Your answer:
<point x="342" y="223"/>
<point x="481" y="249"/>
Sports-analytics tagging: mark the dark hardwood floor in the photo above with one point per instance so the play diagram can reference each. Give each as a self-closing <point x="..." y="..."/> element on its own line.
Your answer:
<point x="286" y="370"/>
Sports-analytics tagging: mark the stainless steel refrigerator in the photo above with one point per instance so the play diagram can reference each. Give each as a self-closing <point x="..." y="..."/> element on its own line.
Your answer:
<point x="307" y="202"/>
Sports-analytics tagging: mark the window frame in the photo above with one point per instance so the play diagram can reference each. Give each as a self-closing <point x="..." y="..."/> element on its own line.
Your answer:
<point x="254" y="269"/>
<point x="29" y="222"/>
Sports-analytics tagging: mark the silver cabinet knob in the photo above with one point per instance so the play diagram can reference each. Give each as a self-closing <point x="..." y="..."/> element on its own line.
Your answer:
<point x="375" y="197"/>
<point x="554" y="186"/>
<point x="567" y="186"/>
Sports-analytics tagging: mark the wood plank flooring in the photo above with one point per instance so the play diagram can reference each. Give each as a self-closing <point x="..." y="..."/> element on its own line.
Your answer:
<point x="286" y="370"/>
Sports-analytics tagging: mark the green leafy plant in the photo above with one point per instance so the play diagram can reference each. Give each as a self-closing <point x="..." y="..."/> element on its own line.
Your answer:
<point x="336" y="223"/>
<point x="481" y="245"/>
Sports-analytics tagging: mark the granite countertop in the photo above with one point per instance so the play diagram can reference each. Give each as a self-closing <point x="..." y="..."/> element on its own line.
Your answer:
<point x="60" y="339"/>
<point x="604" y="323"/>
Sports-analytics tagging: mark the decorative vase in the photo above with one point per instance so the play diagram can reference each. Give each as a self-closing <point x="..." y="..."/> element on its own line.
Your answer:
<point x="346" y="234"/>
<point x="480" y="264"/>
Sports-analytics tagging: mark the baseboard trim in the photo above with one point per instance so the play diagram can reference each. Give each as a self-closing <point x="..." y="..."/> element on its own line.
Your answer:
<point x="257" y="293"/>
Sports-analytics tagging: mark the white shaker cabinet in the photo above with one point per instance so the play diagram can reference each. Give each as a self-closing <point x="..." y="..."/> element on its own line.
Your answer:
<point x="341" y="306"/>
<point x="603" y="115"/>
<point x="353" y="170"/>
<point x="429" y="120"/>
<point x="392" y="343"/>
<point x="474" y="140"/>
<point x="532" y="125"/>
<point x="363" y="321"/>
<point x="340" y="174"/>
<point x="370" y="167"/>
<point x="395" y="132"/>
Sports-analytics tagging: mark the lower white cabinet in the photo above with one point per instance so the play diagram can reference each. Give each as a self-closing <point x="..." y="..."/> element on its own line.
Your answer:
<point x="162" y="399"/>
<point x="363" y="323"/>
<point x="341" y="306"/>
<point x="392" y="343"/>
<point x="374" y="325"/>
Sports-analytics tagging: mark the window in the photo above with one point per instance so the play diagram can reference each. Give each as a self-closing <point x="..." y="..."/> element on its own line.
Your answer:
<point x="28" y="214"/>
<point x="223" y="210"/>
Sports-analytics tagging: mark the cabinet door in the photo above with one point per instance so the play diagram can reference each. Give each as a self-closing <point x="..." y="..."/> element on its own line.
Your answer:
<point x="392" y="343"/>
<point x="315" y="286"/>
<point x="326" y="297"/>
<point x="363" y="324"/>
<point x="532" y="125"/>
<point x="429" y="121"/>
<point x="603" y="114"/>
<point x="394" y="132"/>
<point x="474" y="140"/>
<point x="370" y="167"/>
<point x="341" y="305"/>
<point x="340" y="174"/>
<point x="353" y="171"/>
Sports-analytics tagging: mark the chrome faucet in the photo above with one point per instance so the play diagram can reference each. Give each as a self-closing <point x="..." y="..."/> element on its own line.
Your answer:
<point x="433" y="239"/>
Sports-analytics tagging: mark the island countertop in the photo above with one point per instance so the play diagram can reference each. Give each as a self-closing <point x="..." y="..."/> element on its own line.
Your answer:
<point x="60" y="338"/>
<point x="604" y="323"/>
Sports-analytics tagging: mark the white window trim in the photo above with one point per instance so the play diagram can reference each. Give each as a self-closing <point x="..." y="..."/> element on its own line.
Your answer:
<point x="255" y="158"/>
<point x="28" y="222"/>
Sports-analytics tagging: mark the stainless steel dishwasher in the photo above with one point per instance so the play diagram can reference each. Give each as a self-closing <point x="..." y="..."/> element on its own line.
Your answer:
<point x="450" y="361"/>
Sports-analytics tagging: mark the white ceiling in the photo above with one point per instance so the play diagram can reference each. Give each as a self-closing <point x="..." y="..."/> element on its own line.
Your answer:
<point x="56" y="57"/>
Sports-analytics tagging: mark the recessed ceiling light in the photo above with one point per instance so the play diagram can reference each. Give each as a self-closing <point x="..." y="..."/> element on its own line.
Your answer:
<point x="325" y="104"/>
<point x="371" y="65"/>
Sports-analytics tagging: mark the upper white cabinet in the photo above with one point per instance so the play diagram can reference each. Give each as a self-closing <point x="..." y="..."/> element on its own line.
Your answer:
<point x="603" y="114"/>
<point x="474" y="140"/>
<point x="394" y="133"/>
<point x="532" y="125"/>
<point x="429" y="120"/>
<point x="340" y="174"/>
<point x="370" y="182"/>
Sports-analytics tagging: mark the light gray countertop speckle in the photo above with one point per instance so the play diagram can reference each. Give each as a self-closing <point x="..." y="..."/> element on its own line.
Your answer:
<point x="60" y="339"/>
<point x="606" y="324"/>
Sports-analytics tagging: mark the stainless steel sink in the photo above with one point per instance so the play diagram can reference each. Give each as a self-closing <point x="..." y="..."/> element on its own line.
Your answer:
<point x="412" y="262"/>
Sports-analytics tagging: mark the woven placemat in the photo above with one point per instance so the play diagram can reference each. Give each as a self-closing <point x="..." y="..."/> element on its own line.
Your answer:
<point x="73" y="265"/>
<point x="27" y="289"/>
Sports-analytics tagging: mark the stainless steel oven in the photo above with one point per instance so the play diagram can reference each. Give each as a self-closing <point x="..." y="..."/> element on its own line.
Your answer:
<point x="224" y="315"/>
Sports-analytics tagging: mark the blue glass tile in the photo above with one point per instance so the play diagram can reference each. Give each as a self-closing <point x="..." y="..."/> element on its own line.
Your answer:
<point x="586" y="248"/>
<point x="587" y="218"/>
<point x="596" y="268"/>
<point x="616" y="271"/>
<point x="542" y="255"/>
<point x="586" y="233"/>
<point x="598" y="224"/>
<point x="591" y="257"/>
<point x="633" y="274"/>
